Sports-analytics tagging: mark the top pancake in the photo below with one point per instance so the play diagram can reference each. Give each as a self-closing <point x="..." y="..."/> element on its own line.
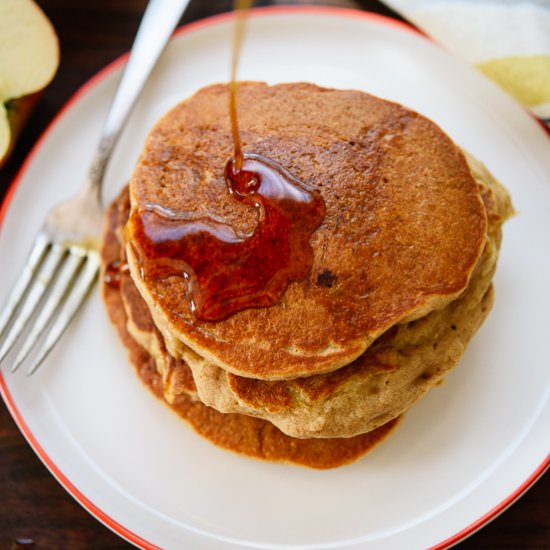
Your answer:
<point x="404" y="227"/>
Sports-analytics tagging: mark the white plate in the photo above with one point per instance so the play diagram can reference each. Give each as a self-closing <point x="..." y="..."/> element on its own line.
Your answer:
<point x="458" y="458"/>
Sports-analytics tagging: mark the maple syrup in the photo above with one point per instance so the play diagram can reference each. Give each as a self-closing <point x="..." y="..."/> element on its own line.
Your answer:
<point x="241" y="8"/>
<point x="113" y="273"/>
<point x="227" y="272"/>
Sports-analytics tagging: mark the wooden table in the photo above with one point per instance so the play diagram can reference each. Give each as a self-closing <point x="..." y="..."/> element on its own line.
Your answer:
<point x="34" y="509"/>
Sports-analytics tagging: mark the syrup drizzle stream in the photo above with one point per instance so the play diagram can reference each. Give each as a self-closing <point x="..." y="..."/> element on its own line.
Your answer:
<point x="227" y="272"/>
<point x="242" y="8"/>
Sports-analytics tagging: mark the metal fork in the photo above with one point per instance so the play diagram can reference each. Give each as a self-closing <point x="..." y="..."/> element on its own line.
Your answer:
<point x="64" y="260"/>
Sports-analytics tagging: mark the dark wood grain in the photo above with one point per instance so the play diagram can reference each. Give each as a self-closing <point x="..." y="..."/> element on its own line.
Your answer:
<point x="35" y="511"/>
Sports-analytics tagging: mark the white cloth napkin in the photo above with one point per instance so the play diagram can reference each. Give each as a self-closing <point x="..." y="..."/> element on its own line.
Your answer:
<point x="507" y="40"/>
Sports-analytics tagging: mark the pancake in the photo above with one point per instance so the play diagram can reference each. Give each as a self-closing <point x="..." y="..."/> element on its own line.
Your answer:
<point x="177" y="379"/>
<point x="404" y="229"/>
<point x="242" y="434"/>
<point x="393" y="373"/>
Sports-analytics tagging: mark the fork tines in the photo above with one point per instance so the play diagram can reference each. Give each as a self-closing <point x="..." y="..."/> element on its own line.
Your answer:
<point x="51" y="288"/>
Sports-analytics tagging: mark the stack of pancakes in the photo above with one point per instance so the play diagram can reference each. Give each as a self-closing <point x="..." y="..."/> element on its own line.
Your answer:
<point x="400" y="281"/>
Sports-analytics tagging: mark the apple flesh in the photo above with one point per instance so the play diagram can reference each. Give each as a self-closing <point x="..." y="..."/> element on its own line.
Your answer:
<point x="29" y="57"/>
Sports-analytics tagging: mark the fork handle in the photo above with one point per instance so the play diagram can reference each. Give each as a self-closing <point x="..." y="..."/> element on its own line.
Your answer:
<point x="156" y="27"/>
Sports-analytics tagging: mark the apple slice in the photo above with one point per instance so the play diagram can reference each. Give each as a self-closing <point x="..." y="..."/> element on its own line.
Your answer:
<point x="29" y="57"/>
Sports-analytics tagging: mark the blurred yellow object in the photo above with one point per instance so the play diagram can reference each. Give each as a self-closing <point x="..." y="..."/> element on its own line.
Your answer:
<point x="526" y="77"/>
<point x="507" y="40"/>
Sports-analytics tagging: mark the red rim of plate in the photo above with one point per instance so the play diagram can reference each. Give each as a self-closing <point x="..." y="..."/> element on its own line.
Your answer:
<point x="92" y="82"/>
